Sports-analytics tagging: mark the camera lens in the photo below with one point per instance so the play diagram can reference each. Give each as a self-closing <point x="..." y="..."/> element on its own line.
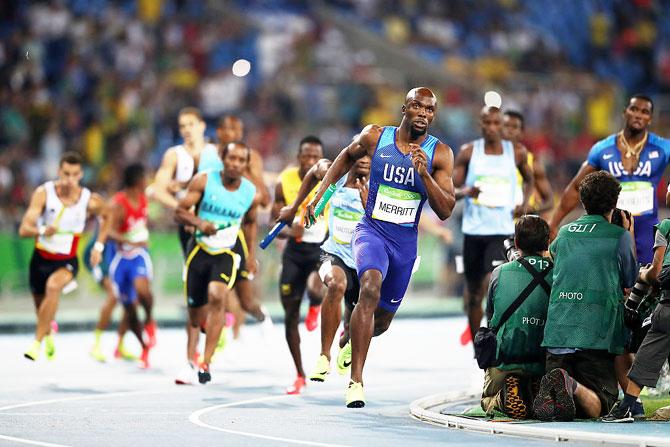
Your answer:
<point x="640" y="289"/>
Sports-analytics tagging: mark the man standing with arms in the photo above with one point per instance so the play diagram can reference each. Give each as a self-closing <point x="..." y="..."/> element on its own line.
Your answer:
<point x="224" y="201"/>
<point x="409" y="166"/>
<point x="300" y="259"/>
<point x="637" y="158"/>
<point x="56" y="217"/>
<point x="485" y="170"/>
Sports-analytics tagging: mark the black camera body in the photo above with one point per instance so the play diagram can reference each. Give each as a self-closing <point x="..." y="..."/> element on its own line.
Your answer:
<point x="511" y="252"/>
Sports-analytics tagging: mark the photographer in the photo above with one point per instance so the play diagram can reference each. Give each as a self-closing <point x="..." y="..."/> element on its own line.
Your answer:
<point x="654" y="350"/>
<point x="513" y="288"/>
<point x="594" y="260"/>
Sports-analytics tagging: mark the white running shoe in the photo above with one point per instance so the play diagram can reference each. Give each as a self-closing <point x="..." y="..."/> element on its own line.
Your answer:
<point x="187" y="376"/>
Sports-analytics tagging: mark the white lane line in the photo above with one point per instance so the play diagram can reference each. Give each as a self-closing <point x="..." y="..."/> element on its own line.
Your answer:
<point x="195" y="419"/>
<point x="66" y="399"/>
<point x="29" y="441"/>
<point x="86" y="397"/>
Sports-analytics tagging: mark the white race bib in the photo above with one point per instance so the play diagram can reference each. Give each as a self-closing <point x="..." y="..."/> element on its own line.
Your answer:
<point x="316" y="233"/>
<point x="344" y="224"/>
<point x="221" y="240"/>
<point x="636" y="197"/>
<point x="494" y="191"/>
<point x="396" y="205"/>
<point x="140" y="233"/>
<point x="59" y="243"/>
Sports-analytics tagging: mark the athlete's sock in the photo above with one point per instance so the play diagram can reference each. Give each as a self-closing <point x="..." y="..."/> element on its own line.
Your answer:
<point x="98" y="334"/>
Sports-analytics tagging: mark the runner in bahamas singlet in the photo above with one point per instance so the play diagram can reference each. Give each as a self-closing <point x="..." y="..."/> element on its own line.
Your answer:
<point x="386" y="237"/>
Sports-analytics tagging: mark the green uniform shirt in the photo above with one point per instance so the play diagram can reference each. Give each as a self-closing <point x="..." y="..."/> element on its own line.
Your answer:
<point x="594" y="261"/>
<point x="519" y="339"/>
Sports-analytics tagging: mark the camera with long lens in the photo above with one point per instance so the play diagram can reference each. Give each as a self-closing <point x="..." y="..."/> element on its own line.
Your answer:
<point x="511" y="252"/>
<point x="638" y="293"/>
<point x="631" y="314"/>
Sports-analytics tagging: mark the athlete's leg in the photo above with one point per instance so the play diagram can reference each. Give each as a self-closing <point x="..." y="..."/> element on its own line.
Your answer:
<point x="217" y="294"/>
<point x="196" y="278"/>
<point x="107" y="307"/>
<point x="474" y="296"/>
<point x="622" y="365"/>
<point x="245" y="292"/>
<point x="474" y="272"/>
<point x="145" y="296"/>
<point x="491" y="256"/>
<point x="346" y="334"/>
<point x="233" y="306"/>
<point x="383" y="320"/>
<point x="362" y="321"/>
<point x="134" y="322"/>
<point x="331" y="310"/>
<point x="291" y="305"/>
<point x="37" y="301"/>
<point x="197" y="317"/>
<point x="49" y="304"/>
<point x="292" y="285"/>
<point x="315" y="290"/>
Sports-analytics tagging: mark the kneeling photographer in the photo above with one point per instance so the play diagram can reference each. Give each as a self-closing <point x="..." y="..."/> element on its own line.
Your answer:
<point x="655" y="348"/>
<point x="518" y="297"/>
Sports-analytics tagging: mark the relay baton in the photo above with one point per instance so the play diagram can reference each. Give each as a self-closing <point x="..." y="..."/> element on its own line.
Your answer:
<point x="272" y="234"/>
<point x="321" y="204"/>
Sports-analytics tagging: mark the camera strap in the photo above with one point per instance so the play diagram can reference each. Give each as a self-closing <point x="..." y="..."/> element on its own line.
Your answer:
<point x="538" y="280"/>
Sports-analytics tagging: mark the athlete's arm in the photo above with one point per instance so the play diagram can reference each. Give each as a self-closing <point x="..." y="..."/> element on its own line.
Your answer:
<point x="461" y="164"/>
<point x="29" y="226"/>
<point x="254" y="172"/>
<point x="543" y="187"/>
<point x="569" y="199"/>
<point x="649" y="273"/>
<point x="98" y="207"/>
<point x="161" y="186"/>
<point x="365" y="143"/>
<point x="428" y="225"/>
<point x="312" y="177"/>
<point x="363" y="190"/>
<point x="250" y="229"/>
<point x="521" y="159"/>
<point x="439" y="185"/>
<point x="183" y="214"/>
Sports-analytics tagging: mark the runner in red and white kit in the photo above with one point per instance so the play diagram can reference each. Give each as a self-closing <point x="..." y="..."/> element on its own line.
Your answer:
<point x="131" y="269"/>
<point x="56" y="218"/>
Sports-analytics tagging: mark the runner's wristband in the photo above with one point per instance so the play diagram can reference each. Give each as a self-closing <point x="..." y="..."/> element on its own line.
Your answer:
<point x="99" y="246"/>
<point x="41" y="230"/>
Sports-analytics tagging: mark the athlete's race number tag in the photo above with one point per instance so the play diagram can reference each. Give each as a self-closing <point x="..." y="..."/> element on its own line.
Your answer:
<point x="316" y="233"/>
<point x="494" y="191"/>
<point x="344" y="224"/>
<point x="139" y="233"/>
<point x="222" y="239"/>
<point x="396" y="205"/>
<point x="59" y="243"/>
<point x="636" y="197"/>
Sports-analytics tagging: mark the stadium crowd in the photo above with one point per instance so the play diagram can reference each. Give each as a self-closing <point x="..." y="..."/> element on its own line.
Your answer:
<point x="108" y="78"/>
